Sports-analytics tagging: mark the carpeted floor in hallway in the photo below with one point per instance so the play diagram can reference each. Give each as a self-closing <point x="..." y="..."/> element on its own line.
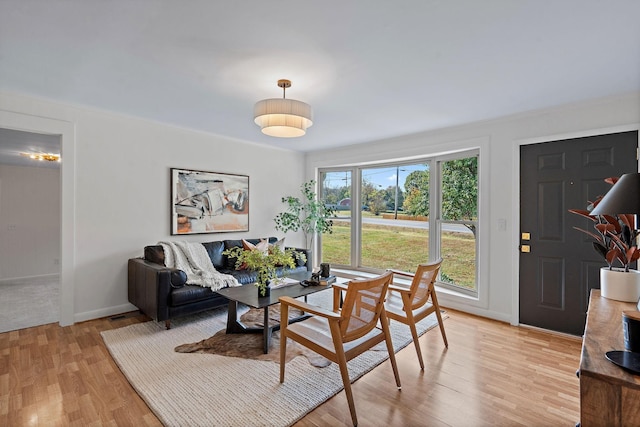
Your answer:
<point x="29" y="302"/>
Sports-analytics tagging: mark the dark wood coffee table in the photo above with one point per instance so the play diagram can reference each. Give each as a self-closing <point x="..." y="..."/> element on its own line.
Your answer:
<point x="248" y="294"/>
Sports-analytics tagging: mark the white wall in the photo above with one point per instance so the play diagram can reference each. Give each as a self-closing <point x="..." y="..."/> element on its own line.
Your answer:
<point x="115" y="187"/>
<point x="115" y="174"/>
<point x="29" y="221"/>
<point x="499" y="141"/>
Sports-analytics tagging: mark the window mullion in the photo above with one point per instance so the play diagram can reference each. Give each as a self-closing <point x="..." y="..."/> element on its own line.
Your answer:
<point x="435" y="199"/>
<point x="356" y="217"/>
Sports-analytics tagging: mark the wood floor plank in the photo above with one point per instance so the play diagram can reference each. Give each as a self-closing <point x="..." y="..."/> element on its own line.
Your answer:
<point x="491" y="374"/>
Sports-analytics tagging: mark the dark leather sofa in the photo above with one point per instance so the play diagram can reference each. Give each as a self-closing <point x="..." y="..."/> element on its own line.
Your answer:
<point x="162" y="293"/>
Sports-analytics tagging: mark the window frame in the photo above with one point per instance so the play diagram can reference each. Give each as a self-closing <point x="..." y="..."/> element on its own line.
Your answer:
<point x="436" y="186"/>
<point x="435" y="206"/>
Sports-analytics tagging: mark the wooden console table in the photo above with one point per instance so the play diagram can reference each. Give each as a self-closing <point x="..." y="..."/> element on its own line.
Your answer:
<point x="609" y="395"/>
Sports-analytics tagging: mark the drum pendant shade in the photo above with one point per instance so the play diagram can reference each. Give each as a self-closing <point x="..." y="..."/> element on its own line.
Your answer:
<point x="283" y="118"/>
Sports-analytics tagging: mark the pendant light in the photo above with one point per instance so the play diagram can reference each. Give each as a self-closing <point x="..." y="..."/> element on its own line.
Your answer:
<point x="281" y="117"/>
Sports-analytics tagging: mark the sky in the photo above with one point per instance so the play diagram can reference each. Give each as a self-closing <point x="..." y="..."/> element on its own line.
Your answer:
<point x="381" y="177"/>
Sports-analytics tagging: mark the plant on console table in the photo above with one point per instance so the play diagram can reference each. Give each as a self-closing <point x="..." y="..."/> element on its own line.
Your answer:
<point x="308" y="214"/>
<point x="265" y="263"/>
<point x="615" y="239"/>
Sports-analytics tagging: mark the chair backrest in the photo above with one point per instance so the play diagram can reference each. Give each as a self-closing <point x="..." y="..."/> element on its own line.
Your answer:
<point x="363" y="303"/>
<point x="423" y="283"/>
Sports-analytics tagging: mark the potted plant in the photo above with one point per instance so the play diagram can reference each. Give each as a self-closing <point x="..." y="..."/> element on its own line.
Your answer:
<point x="308" y="214"/>
<point x="265" y="263"/>
<point x="616" y="241"/>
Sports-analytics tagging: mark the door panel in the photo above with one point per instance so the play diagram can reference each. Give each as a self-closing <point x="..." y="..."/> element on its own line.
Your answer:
<point x="561" y="267"/>
<point x="552" y="283"/>
<point x="550" y="225"/>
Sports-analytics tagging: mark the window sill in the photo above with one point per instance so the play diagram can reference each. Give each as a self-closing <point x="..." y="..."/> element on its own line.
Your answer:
<point x="441" y="290"/>
<point x="455" y="294"/>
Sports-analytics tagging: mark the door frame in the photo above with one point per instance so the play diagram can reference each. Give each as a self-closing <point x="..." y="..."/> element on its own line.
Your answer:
<point x="66" y="131"/>
<point x="515" y="210"/>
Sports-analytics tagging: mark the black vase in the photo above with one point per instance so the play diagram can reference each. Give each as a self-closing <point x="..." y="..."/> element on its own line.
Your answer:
<point x="267" y="291"/>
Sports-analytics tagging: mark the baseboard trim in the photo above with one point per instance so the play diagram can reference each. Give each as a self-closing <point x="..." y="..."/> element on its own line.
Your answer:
<point x="453" y="304"/>
<point x="549" y="331"/>
<point x="37" y="276"/>
<point x="104" y="312"/>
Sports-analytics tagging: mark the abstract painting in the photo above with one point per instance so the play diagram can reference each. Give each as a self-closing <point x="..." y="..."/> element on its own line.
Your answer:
<point x="208" y="202"/>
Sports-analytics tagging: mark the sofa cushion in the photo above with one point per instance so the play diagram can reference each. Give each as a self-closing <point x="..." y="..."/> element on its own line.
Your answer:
<point x="303" y="262"/>
<point x="189" y="294"/>
<point x="215" y="249"/>
<point x="230" y="262"/>
<point x="244" y="277"/>
<point x="154" y="253"/>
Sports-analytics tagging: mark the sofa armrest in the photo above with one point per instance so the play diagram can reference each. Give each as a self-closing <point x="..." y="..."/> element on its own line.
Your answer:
<point x="150" y="285"/>
<point x="307" y="253"/>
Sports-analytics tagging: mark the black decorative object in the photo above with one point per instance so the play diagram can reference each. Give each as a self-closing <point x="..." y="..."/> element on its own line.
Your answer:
<point x="625" y="359"/>
<point x="631" y="330"/>
<point x="325" y="270"/>
<point x="264" y="291"/>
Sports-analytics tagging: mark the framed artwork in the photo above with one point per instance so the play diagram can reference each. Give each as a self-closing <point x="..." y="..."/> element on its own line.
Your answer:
<point x="208" y="202"/>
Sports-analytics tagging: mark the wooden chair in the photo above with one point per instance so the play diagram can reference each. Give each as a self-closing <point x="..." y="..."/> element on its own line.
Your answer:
<point x="411" y="304"/>
<point x="344" y="333"/>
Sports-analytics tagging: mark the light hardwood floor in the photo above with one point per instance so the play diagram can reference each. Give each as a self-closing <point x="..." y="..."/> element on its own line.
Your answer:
<point x="493" y="374"/>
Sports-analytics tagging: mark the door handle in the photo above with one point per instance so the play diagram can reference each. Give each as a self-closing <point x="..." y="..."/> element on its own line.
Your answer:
<point x="525" y="248"/>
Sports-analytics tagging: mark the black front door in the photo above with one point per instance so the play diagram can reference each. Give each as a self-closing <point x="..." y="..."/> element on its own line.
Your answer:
<point x="558" y="265"/>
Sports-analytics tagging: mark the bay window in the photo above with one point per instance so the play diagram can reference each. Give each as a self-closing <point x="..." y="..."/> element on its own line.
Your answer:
<point x="398" y="215"/>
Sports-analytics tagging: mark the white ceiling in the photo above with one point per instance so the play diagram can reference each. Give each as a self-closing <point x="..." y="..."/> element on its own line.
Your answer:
<point x="370" y="69"/>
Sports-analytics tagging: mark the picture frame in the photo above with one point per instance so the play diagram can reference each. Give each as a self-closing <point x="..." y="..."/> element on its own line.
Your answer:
<point x="208" y="202"/>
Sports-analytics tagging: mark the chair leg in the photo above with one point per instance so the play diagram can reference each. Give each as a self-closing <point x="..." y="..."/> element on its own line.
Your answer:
<point x="434" y="301"/>
<point x="416" y="343"/>
<point x="284" y="322"/>
<point x="412" y="326"/>
<point x="392" y="354"/>
<point x="344" y="372"/>
<point x="444" y="335"/>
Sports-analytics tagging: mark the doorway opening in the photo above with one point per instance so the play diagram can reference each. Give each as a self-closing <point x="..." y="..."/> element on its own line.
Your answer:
<point x="30" y="229"/>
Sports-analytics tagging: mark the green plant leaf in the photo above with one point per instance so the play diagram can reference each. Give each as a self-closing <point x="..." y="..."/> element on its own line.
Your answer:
<point x="307" y="214"/>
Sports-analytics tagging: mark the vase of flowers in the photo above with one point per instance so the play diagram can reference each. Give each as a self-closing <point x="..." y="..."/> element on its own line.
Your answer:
<point x="265" y="263"/>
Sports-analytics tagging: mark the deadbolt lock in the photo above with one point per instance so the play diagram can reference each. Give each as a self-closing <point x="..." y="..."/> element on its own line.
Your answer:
<point x="526" y="236"/>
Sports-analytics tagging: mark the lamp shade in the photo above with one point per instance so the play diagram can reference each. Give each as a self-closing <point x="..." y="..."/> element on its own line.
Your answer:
<point x="284" y="118"/>
<point x="623" y="198"/>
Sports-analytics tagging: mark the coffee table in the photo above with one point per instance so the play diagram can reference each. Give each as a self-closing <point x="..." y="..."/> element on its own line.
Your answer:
<point x="248" y="295"/>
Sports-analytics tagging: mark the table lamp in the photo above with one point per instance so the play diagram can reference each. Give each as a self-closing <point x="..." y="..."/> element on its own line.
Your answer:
<point x="624" y="198"/>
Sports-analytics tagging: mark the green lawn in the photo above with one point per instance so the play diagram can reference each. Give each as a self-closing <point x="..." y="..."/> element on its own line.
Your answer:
<point x="403" y="248"/>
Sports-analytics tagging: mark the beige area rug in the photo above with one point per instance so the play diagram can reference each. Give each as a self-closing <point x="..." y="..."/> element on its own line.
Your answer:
<point x="193" y="389"/>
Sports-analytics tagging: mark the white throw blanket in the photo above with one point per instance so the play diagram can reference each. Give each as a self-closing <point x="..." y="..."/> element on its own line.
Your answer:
<point x="193" y="259"/>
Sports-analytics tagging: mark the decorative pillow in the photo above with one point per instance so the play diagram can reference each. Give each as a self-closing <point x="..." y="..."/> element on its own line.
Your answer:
<point x="247" y="246"/>
<point x="279" y="244"/>
<point x="262" y="246"/>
